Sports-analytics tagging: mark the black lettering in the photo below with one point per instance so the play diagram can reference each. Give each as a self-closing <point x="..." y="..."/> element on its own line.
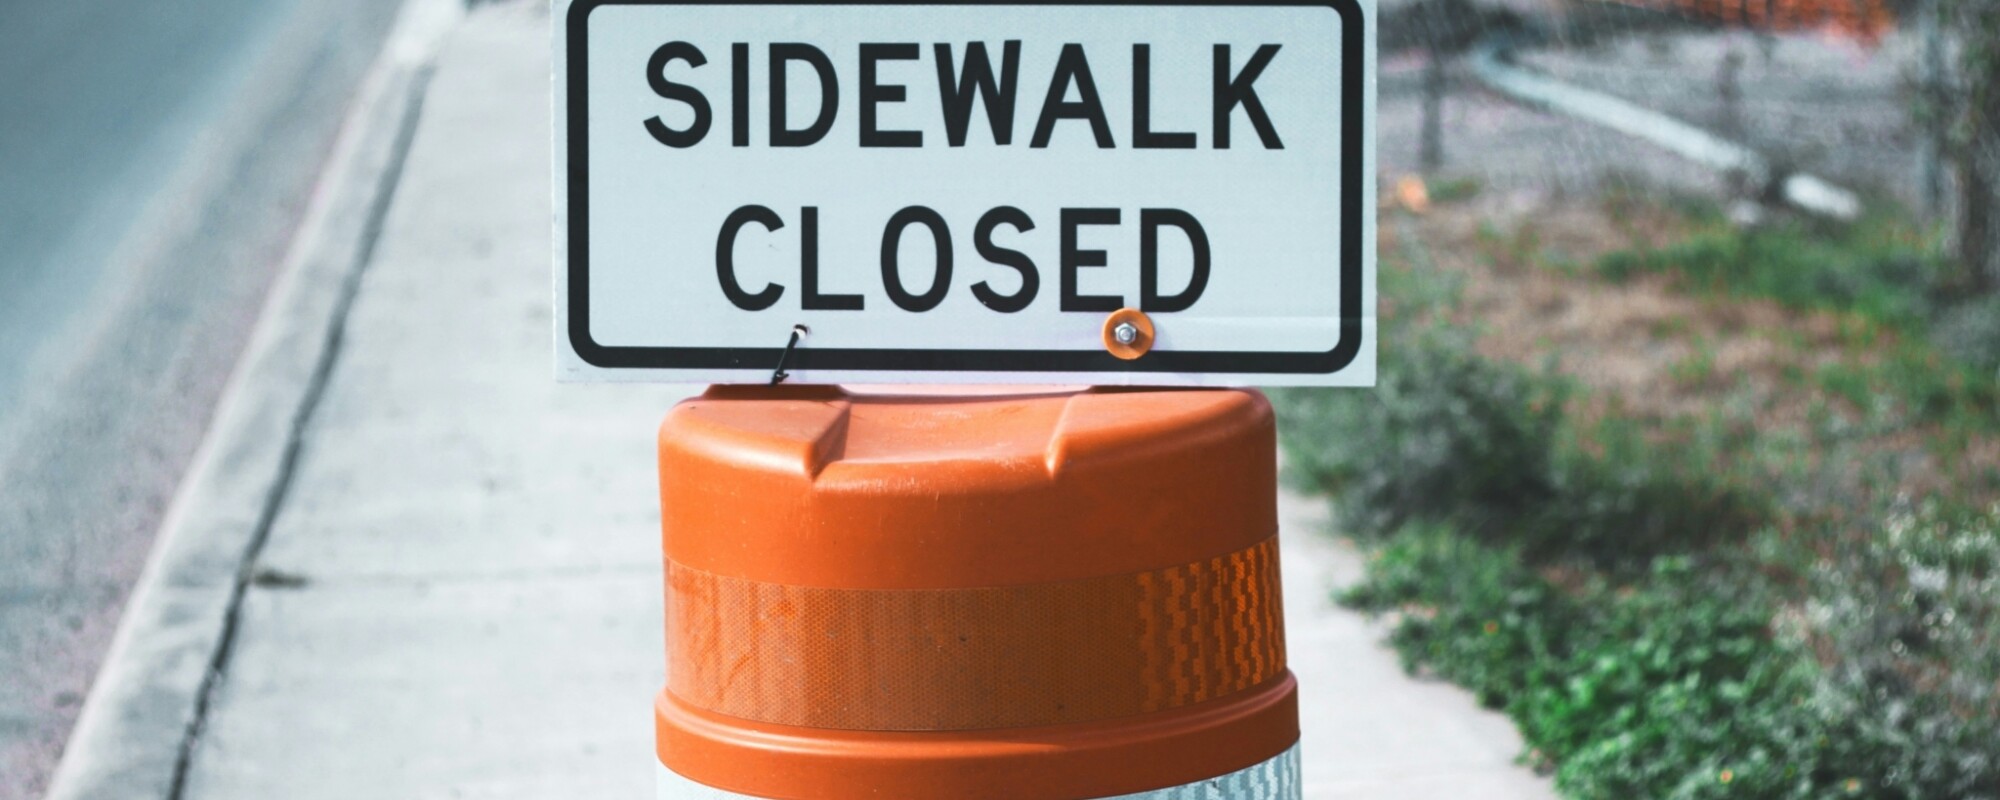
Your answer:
<point x="977" y="77"/>
<point x="656" y="76"/>
<point x="1150" y="299"/>
<point x="812" y="300"/>
<point x="829" y="94"/>
<point x="1232" y="92"/>
<point x="1072" y="67"/>
<point x="725" y="258"/>
<point x="739" y="86"/>
<point x="1142" y="107"/>
<point x="982" y="239"/>
<point x="873" y="93"/>
<point x="892" y="279"/>
<point x="1074" y="258"/>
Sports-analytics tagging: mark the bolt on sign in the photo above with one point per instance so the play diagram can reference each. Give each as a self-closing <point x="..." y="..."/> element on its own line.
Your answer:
<point x="1166" y="193"/>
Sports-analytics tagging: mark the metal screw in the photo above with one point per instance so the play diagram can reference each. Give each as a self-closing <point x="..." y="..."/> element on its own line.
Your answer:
<point x="1125" y="333"/>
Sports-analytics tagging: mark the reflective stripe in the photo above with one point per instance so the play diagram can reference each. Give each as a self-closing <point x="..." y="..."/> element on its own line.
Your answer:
<point x="1276" y="779"/>
<point x="966" y="659"/>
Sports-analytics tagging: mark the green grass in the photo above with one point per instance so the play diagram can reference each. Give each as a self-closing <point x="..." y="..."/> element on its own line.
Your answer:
<point x="1700" y="607"/>
<point x="1680" y="684"/>
<point x="1697" y="369"/>
<point x="1454" y="190"/>
<point x="1851" y="382"/>
<point x="1523" y="247"/>
<point x="1890" y="289"/>
<point x="1881" y="269"/>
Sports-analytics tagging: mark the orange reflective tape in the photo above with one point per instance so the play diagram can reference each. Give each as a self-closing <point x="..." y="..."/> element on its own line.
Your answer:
<point x="1089" y="759"/>
<point x="965" y="659"/>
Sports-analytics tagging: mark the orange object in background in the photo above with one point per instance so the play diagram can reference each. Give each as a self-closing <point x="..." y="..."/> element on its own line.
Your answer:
<point x="1071" y="594"/>
<point x="1865" y="20"/>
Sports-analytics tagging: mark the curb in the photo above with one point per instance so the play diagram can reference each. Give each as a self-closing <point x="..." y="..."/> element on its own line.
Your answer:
<point x="137" y="729"/>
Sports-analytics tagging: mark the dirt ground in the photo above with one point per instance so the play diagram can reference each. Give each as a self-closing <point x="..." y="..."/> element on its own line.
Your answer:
<point x="1645" y="349"/>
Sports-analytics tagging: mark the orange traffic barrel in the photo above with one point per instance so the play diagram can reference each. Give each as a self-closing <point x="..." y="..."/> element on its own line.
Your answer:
<point x="1030" y="596"/>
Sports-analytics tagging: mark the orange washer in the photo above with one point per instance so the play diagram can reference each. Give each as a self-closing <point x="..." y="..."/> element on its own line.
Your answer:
<point x="1067" y="594"/>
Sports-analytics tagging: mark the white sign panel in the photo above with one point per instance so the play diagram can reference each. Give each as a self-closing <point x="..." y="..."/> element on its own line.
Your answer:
<point x="965" y="193"/>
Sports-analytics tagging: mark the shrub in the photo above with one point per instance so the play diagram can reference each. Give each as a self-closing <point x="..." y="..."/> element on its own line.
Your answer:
<point x="1909" y="621"/>
<point x="1445" y="433"/>
<point x="1622" y="496"/>
<point x="1672" y="687"/>
<point x="1474" y="613"/>
<point x="1450" y="436"/>
<point x="1676" y="684"/>
<point x="1677" y="688"/>
<point x="1567" y="571"/>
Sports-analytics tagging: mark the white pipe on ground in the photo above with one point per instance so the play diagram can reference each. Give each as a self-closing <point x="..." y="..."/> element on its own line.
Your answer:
<point x="1806" y="192"/>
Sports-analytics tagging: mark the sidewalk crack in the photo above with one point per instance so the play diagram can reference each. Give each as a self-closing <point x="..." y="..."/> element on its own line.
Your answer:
<point x="350" y="287"/>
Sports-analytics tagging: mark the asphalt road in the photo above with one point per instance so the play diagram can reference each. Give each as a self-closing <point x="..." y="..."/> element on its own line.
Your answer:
<point x="155" y="159"/>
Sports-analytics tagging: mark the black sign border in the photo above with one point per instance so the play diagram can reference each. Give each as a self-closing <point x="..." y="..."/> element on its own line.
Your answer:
<point x="1352" y="194"/>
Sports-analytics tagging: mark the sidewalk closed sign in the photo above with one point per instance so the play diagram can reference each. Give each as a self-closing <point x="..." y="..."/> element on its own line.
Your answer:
<point x="922" y="193"/>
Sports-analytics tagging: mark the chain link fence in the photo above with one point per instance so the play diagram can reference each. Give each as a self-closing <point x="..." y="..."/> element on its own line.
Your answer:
<point x="1828" y="88"/>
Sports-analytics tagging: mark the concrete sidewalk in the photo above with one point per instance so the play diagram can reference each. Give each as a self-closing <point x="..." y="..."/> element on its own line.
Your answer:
<point x="457" y="589"/>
